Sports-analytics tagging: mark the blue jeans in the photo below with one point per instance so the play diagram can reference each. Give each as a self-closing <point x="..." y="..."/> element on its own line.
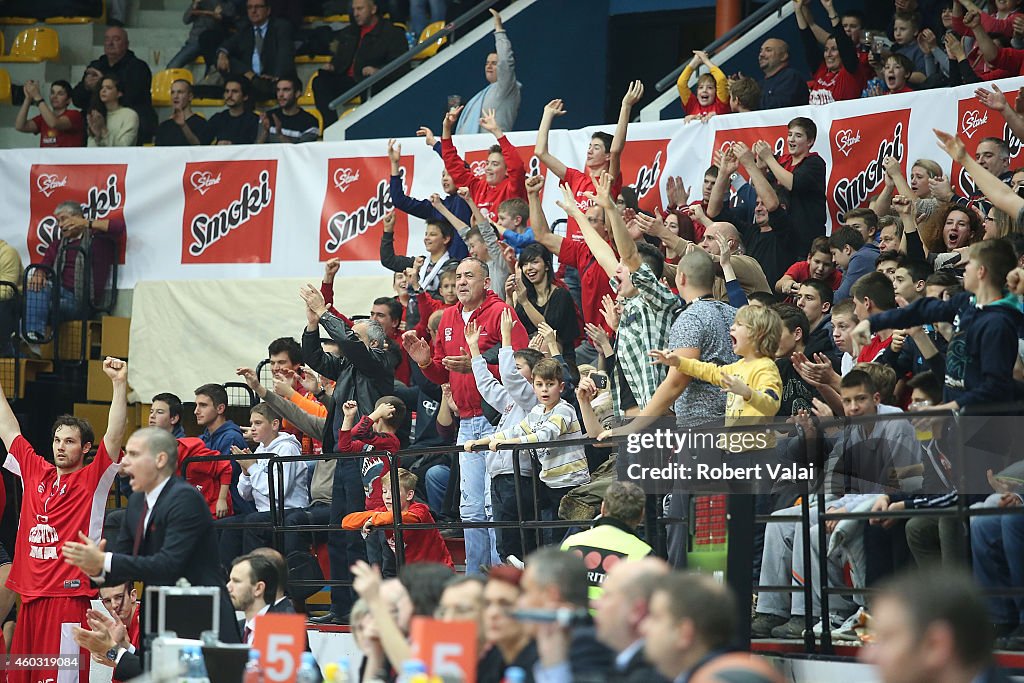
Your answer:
<point x="997" y="546"/>
<point x="37" y="307"/>
<point x="418" y="14"/>
<point x="475" y="497"/>
<point x="345" y="547"/>
<point x="437" y="486"/>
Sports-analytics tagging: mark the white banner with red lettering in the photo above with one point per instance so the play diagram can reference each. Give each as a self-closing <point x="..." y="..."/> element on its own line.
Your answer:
<point x="276" y="211"/>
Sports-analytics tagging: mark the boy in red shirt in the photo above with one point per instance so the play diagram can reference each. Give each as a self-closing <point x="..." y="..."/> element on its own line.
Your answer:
<point x="373" y="433"/>
<point x="420" y="545"/>
<point x="503" y="176"/>
<point x="818" y="266"/>
<point x="873" y="294"/>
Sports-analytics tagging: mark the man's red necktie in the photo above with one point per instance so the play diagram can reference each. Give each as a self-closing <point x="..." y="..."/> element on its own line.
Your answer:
<point x="140" y="529"/>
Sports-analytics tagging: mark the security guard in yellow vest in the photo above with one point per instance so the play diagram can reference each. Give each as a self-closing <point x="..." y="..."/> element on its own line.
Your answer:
<point x="612" y="539"/>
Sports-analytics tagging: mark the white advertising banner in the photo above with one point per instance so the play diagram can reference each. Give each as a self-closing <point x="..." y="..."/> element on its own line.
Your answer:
<point x="275" y="211"/>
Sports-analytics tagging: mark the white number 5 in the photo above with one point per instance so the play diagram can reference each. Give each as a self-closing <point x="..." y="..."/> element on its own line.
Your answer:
<point x="279" y="662"/>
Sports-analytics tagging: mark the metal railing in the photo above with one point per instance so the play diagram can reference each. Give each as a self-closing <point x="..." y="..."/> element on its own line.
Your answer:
<point x="366" y="85"/>
<point x="741" y="28"/>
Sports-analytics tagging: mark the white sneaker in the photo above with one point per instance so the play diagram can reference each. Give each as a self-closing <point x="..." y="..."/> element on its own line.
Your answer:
<point x="858" y="621"/>
<point x="515" y="562"/>
<point x="835" y="622"/>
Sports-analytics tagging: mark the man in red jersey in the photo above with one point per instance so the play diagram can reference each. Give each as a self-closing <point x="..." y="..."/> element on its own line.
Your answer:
<point x="503" y="176"/>
<point x="604" y="154"/>
<point x="61" y="501"/>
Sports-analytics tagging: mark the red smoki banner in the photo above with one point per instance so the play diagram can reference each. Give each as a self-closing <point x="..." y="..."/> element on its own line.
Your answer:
<point x="859" y="146"/>
<point x="642" y="164"/>
<point x="229" y="211"/>
<point x="975" y="122"/>
<point x="99" y="188"/>
<point x="775" y="136"/>
<point x="358" y="196"/>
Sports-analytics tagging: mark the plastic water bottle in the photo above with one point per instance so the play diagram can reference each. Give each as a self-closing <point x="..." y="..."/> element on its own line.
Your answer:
<point x="515" y="674"/>
<point x="192" y="665"/>
<point x="336" y="672"/>
<point x="253" y="670"/>
<point x="308" y="672"/>
<point x="411" y="38"/>
<point x="412" y="669"/>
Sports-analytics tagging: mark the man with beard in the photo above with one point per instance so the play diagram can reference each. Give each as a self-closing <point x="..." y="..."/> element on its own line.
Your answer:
<point x="288" y="122"/>
<point x="236" y="125"/>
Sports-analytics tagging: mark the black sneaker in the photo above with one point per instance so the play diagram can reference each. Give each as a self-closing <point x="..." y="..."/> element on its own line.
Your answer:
<point x="33" y="337"/>
<point x="792" y="629"/>
<point x="762" y="625"/>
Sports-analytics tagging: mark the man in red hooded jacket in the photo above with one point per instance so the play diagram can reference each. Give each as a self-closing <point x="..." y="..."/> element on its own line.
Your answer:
<point x="450" y="364"/>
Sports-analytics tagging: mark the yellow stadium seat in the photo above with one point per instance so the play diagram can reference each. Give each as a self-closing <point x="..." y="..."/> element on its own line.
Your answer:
<point x="17" y="21"/>
<point x="430" y="30"/>
<point x="319" y="118"/>
<point x="36" y="44"/>
<point x="307" y="96"/>
<point x="5" y="87"/>
<point x="161" y="88"/>
<point x="71" y="20"/>
<point x="312" y="59"/>
<point x="1" y="44"/>
<point x="338" y="19"/>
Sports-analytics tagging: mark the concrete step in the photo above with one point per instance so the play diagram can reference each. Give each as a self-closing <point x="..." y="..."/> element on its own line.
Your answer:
<point x="43" y="72"/>
<point x="159" y="18"/>
<point x="12" y="139"/>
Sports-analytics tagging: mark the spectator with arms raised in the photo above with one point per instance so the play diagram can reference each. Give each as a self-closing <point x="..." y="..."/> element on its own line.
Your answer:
<point x="502" y="92"/>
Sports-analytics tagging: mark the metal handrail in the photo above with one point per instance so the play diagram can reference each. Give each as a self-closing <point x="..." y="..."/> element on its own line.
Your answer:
<point x="739" y="29"/>
<point x="399" y="62"/>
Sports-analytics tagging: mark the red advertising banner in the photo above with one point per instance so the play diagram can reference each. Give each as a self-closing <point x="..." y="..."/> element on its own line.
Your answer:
<point x="352" y="217"/>
<point x="859" y="145"/>
<point x="229" y="211"/>
<point x="641" y="166"/>
<point x="775" y="136"/>
<point x="99" y="188"/>
<point x="975" y="122"/>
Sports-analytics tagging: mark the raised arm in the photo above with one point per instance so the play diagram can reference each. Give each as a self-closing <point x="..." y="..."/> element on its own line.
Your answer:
<point x="986" y="46"/>
<point x="541" y="232"/>
<point x="764" y="152"/>
<point x="625" y="244"/>
<point x="727" y="164"/>
<point x="762" y="186"/>
<point x="996" y="100"/>
<point x="553" y="109"/>
<point x="992" y="187"/>
<point x="633" y="95"/>
<point x="117" y="371"/>
<point x="598" y="247"/>
<point x="9" y="427"/>
<point x="457" y="223"/>
<point x="683" y="82"/>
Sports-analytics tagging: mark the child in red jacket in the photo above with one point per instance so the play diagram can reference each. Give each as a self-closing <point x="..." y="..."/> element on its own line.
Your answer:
<point x="421" y="545"/>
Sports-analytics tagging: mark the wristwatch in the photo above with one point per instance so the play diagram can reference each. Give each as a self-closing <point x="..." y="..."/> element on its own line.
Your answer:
<point x="112" y="653"/>
<point x="38" y="102"/>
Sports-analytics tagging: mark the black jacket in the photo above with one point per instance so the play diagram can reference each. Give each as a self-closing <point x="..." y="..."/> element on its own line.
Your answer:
<point x="136" y="80"/>
<point x="637" y="670"/>
<point x="178" y="542"/>
<point x="278" y="55"/>
<point x="384" y="43"/>
<point x="363" y="374"/>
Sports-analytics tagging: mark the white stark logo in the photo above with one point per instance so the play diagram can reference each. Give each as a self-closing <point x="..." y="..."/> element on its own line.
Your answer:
<point x="202" y="181"/>
<point x="972" y="121"/>
<point x="49" y="182"/>
<point x="845" y="140"/>
<point x="343" y="177"/>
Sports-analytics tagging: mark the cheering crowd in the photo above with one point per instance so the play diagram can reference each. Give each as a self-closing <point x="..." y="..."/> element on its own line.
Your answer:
<point x="504" y="337"/>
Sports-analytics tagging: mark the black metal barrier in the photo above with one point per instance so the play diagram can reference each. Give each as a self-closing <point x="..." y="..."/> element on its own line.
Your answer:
<point x="657" y="520"/>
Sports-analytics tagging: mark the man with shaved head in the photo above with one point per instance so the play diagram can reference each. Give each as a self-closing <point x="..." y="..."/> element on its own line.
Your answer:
<point x="783" y="86"/>
<point x="133" y="74"/>
<point x="623" y="605"/>
<point x="748" y="271"/>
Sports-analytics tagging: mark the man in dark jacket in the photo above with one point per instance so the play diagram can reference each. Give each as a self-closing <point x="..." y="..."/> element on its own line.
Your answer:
<point x="263" y="51"/>
<point x="365" y="372"/>
<point x="363" y="48"/>
<point x="133" y="73"/>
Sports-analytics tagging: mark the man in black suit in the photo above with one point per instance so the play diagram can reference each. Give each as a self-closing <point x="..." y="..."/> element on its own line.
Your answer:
<point x="620" y="609"/>
<point x="263" y="51"/>
<point x="167" y="533"/>
<point x="558" y="580"/>
<point x="932" y="625"/>
<point x="282" y="603"/>
<point x="252" y="586"/>
<point x="362" y="49"/>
